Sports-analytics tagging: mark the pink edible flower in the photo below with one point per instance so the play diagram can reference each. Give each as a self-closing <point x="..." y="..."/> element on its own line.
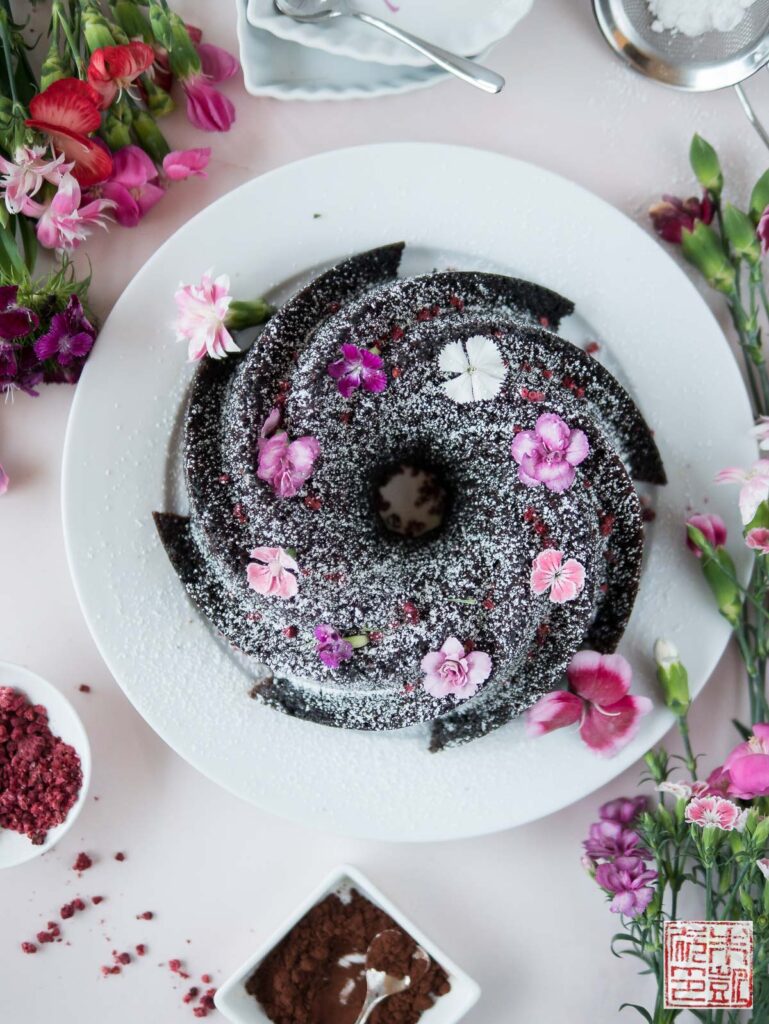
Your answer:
<point x="758" y="539"/>
<point x="627" y="879"/>
<point x="763" y="866"/>
<point x="563" y="580"/>
<point x="23" y="176"/>
<point x="358" y="366"/>
<point x="331" y="648"/>
<point x="624" y="809"/>
<point x="452" y="671"/>
<point x="761" y="432"/>
<point x="763" y="231"/>
<point x="712" y="810"/>
<point x="4" y="480"/>
<point x="207" y="108"/>
<point x="272" y="573"/>
<point x="287" y="465"/>
<point x="711" y="526"/>
<point x="609" y="839"/>
<point x="747" y="767"/>
<point x="217" y="64"/>
<point x="202" y="314"/>
<point x="755" y="486"/>
<point x="132" y="185"/>
<point x="598" y="699"/>
<point x="549" y="453"/>
<point x="186" y="163"/>
<point x="680" y="790"/>
<point x="64" y="223"/>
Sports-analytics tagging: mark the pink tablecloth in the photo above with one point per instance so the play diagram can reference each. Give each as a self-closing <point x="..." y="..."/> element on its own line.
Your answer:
<point x="514" y="909"/>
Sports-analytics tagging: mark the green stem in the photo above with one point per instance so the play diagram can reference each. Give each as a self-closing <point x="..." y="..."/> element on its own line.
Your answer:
<point x="5" y="39"/>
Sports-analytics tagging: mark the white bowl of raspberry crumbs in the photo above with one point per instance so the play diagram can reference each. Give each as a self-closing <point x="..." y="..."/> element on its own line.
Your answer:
<point x="45" y="765"/>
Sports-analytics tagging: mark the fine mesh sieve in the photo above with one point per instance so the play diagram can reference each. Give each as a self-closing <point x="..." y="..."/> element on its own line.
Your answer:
<point x="710" y="61"/>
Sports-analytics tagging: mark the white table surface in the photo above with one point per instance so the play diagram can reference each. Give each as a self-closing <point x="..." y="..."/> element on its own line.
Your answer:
<point x="514" y="909"/>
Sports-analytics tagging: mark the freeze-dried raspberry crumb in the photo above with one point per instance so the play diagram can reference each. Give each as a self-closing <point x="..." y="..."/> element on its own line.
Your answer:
<point x="146" y="915"/>
<point x="207" y="1000"/>
<point x="67" y="911"/>
<point x="189" y="996"/>
<point x="82" y="862"/>
<point x="122" y="958"/>
<point x="141" y="949"/>
<point x="200" y="1011"/>
<point x="78" y="904"/>
<point x="175" y="966"/>
<point x="28" y="947"/>
<point x="96" y="900"/>
<point x="84" y="688"/>
<point x="119" y="856"/>
<point x="110" y="970"/>
<point x="206" y="979"/>
<point x="43" y="937"/>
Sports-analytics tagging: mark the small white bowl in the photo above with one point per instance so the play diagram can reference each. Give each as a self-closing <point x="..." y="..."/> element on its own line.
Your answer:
<point x="65" y="722"/>
<point x="241" y="1008"/>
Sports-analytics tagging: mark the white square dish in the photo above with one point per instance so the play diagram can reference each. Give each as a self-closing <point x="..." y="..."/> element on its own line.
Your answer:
<point x="239" y="1007"/>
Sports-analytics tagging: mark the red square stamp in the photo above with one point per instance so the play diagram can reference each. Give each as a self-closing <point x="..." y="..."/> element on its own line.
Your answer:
<point x="708" y="965"/>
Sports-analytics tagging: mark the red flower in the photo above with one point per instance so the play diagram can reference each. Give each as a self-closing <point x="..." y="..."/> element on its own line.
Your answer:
<point x="671" y="215"/>
<point x="68" y="112"/>
<point x="113" y="68"/>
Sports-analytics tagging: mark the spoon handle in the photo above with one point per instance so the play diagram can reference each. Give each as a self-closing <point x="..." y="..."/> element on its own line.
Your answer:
<point x="467" y="70"/>
<point x="371" y="1001"/>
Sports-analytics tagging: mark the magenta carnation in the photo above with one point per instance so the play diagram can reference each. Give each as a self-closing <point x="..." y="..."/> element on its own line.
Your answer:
<point x="628" y="880"/>
<point x="712" y="528"/>
<point x="549" y="453"/>
<point x="331" y="648"/>
<point x="286" y="465"/>
<point x="358" y="367"/>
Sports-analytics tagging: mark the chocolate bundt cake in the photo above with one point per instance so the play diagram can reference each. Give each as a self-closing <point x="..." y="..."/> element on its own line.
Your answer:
<point x="523" y="447"/>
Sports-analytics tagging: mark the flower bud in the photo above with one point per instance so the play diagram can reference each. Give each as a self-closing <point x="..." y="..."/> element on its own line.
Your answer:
<point x="182" y="55"/>
<point x="242" y="314"/>
<point x="706" y="166"/>
<point x="358" y="640"/>
<point x="95" y="27"/>
<point x="159" y="102"/>
<point x="703" y="248"/>
<point x="746" y="901"/>
<point x="759" y="197"/>
<point x="761" y="833"/>
<point x="160" y="24"/>
<point x="657" y="763"/>
<point x="115" y="131"/>
<point x="132" y="21"/>
<point x="673" y="677"/>
<point x="741" y="234"/>
<point x="720" y="575"/>
<point x="54" y="67"/>
<point x="150" y="137"/>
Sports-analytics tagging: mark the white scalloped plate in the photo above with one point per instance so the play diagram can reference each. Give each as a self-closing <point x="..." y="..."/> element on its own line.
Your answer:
<point x="285" y="70"/>
<point x="124" y="425"/>
<point x="463" y="26"/>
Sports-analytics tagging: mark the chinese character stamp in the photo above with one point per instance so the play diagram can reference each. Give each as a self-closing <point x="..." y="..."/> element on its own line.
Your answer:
<point x="708" y="964"/>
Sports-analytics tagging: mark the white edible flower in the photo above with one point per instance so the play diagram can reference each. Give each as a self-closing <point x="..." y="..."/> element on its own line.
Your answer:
<point x="479" y="366"/>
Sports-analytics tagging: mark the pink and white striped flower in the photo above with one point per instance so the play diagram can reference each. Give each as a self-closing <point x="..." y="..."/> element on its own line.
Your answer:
<point x="65" y="222"/>
<point x="713" y="811"/>
<point x="680" y="790"/>
<point x="563" y="580"/>
<point x="202" y="315"/>
<point x="758" y="539"/>
<point x="754" y="489"/>
<point x="272" y="573"/>
<point x="22" y="177"/>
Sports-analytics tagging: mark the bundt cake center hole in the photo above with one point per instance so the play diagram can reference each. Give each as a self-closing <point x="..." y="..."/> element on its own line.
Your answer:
<point x="412" y="499"/>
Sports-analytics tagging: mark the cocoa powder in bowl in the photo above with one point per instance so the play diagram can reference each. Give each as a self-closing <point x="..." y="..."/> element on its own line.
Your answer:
<point x="316" y="974"/>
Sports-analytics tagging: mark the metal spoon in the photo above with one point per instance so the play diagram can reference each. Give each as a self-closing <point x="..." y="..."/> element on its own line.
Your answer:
<point x="380" y="986"/>
<point x="323" y="10"/>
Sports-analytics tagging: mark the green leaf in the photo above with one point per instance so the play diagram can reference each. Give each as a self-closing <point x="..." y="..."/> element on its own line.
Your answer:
<point x="706" y="165"/>
<point x="743" y="730"/>
<point x="741" y="233"/>
<point x="644" y="1013"/>
<point x="759" y="197"/>
<point x="12" y="264"/>
<point x="29" y="241"/>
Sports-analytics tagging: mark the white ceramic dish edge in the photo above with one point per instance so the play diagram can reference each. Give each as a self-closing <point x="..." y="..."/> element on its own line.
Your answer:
<point x="241" y="1008"/>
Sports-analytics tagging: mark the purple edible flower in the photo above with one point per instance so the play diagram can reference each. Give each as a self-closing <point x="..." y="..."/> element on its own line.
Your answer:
<point x="332" y="649"/>
<point x="70" y="335"/>
<point x="609" y="839"/>
<point x="624" y="809"/>
<point x="15" y="320"/>
<point x="627" y="879"/>
<point x="358" y="366"/>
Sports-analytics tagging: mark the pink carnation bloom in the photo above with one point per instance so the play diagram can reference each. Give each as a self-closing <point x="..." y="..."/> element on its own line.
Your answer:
<point x="202" y="314"/>
<point x="269" y="573"/>
<point x="763" y="231"/>
<point x="453" y="671"/>
<point x="4" y="480"/>
<point x="758" y="539"/>
<point x="23" y="176"/>
<point x="186" y="163"/>
<point x="623" y="809"/>
<point x="64" y="223"/>
<point x="628" y="880"/>
<point x="747" y="767"/>
<point x="217" y="64"/>
<point x="207" y="108"/>
<point x="287" y="465"/>
<point x="548" y="453"/>
<point x="598" y="699"/>
<point x="712" y="810"/>
<point x="763" y="866"/>
<point x="358" y="366"/>
<point x="711" y="526"/>
<point x="564" y="580"/>
<point x="754" y="489"/>
<point x="132" y="185"/>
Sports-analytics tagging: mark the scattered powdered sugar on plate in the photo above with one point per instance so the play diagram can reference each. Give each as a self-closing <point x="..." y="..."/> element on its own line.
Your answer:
<point x="696" y="17"/>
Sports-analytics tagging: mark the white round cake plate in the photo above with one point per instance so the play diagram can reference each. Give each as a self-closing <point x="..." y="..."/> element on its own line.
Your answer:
<point x="463" y="26"/>
<point x="453" y="206"/>
<point x="64" y="722"/>
<point x="286" y="70"/>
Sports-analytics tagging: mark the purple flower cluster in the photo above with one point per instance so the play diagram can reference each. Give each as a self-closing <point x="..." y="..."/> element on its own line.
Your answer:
<point x="57" y="355"/>
<point x="613" y="850"/>
<point x="331" y="648"/>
